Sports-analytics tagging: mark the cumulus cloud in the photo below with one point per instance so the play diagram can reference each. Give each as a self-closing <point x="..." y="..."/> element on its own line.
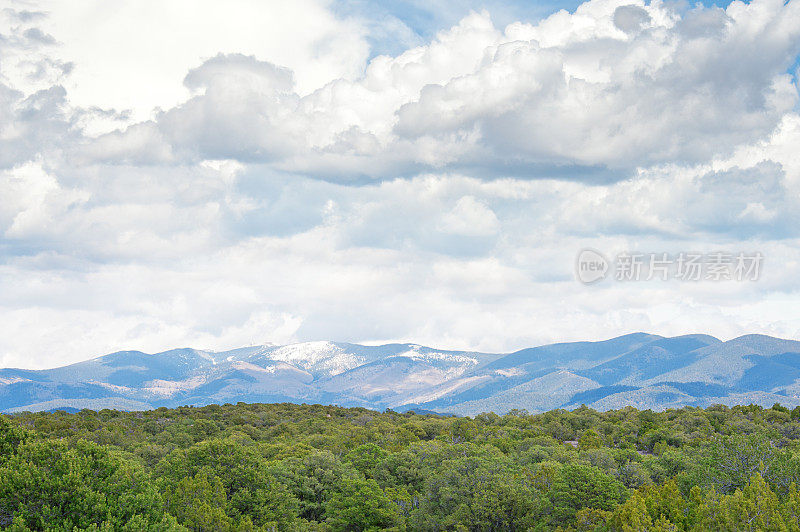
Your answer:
<point x="120" y="65"/>
<point x="614" y="84"/>
<point x="32" y="124"/>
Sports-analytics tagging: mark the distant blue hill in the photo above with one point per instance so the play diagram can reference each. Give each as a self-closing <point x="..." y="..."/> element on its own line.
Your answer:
<point x="642" y="370"/>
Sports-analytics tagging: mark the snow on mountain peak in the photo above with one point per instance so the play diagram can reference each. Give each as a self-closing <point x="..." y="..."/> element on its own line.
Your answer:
<point x="436" y="356"/>
<point x="318" y="357"/>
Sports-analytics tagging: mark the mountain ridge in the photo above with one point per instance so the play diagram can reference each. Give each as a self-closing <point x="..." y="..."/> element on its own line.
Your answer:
<point x="637" y="369"/>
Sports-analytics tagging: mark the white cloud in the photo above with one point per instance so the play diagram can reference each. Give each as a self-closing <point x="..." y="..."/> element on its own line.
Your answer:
<point x="612" y="84"/>
<point x="134" y="55"/>
<point x="470" y="217"/>
<point x="371" y="270"/>
<point x="35" y="201"/>
<point x="293" y="193"/>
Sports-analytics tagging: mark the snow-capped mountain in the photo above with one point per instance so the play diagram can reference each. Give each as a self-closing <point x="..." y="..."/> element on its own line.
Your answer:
<point x="643" y="370"/>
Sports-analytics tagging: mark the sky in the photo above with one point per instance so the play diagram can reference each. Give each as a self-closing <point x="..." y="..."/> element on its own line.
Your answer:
<point x="196" y="173"/>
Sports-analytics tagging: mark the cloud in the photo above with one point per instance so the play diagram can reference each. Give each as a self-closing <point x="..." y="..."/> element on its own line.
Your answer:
<point x="240" y="114"/>
<point x="631" y="18"/>
<point x="613" y="85"/>
<point x="37" y="35"/>
<point x="120" y="66"/>
<point x="438" y="195"/>
<point x="33" y="124"/>
<point x="470" y="217"/>
<point x="381" y="262"/>
<point x="35" y="202"/>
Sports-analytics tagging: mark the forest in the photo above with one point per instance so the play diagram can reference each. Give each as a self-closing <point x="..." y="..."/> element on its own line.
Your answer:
<point x="248" y="467"/>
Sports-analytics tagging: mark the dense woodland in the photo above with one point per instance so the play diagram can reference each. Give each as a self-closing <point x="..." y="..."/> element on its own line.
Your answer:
<point x="311" y="467"/>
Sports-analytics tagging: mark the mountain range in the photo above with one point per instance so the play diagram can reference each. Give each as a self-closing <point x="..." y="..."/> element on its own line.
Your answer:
<point x="641" y="370"/>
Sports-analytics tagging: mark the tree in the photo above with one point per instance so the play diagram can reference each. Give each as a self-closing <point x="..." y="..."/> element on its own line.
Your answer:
<point x="11" y="436"/>
<point x="360" y="505"/>
<point x="313" y="479"/>
<point x="590" y="440"/>
<point x="478" y="493"/>
<point x="579" y="486"/>
<point x="655" y="506"/>
<point x="366" y="458"/>
<point x="199" y="502"/>
<point x="250" y="488"/>
<point x="729" y="463"/>
<point x="754" y="507"/>
<point x="48" y="484"/>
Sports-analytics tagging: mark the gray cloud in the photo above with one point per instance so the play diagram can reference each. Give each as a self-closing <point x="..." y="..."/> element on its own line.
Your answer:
<point x="631" y="18"/>
<point x="33" y="124"/>
<point x="38" y="36"/>
<point x="24" y="15"/>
